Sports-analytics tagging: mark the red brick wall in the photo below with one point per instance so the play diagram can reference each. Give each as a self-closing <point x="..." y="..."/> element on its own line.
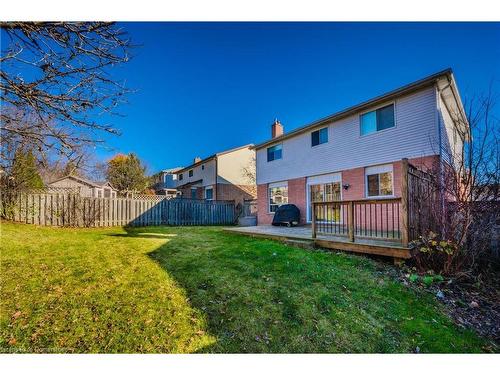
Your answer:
<point x="354" y="177"/>
<point x="356" y="180"/>
<point x="236" y="192"/>
<point x="263" y="217"/>
<point x="296" y="195"/>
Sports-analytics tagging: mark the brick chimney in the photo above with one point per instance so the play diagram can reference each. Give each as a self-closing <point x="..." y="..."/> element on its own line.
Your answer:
<point x="196" y="160"/>
<point x="276" y="129"/>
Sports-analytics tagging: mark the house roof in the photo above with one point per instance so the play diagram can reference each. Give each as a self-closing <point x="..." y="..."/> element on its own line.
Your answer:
<point x="416" y="85"/>
<point x="98" y="184"/>
<point x="250" y="145"/>
<point x="171" y="170"/>
<point x="189" y="184"/>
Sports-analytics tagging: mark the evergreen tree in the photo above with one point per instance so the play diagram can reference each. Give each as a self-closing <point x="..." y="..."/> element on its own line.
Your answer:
<point x="24" y="174"/>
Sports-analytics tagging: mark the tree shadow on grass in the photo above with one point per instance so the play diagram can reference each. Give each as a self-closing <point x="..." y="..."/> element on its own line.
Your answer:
<point x="144" y="232"/>
<point x="260" y="296"/>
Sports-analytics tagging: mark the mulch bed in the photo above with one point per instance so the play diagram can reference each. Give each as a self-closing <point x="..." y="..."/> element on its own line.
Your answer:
<point x="473" y="304"/>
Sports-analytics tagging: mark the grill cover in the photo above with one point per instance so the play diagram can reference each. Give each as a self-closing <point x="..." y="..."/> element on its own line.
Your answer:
<point x="288" y="214"/>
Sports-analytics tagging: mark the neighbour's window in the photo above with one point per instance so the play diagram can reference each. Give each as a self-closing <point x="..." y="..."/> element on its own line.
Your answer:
<point x="319" y="137"/>
<point x="209" y="193"/>
<point x="274" y="152"/>
<point x="193" y="193"/>
<point x="278" y="195"/>
<point x="379" y="181"/>
<point x="191" y="173"/>
<point x="180" y="177"/>
<point x="203" y="167"/>
<point x="380" y="119"/>
<point x="99" y="193"/>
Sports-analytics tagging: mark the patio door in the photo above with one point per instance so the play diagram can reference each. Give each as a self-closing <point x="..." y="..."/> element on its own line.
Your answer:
<point x="324" y="188"/>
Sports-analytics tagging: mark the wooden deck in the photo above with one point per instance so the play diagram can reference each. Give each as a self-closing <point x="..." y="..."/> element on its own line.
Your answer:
<point x="377" y="246"/>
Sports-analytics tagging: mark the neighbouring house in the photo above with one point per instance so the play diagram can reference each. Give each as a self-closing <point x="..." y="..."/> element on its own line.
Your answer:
<point x="227" y="175"/>
<point x="164" y="182"/>
<point x="82" y="186"/>
<point x="356" y="154"/>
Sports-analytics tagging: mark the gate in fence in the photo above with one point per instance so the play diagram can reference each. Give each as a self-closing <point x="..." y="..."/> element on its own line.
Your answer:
<point x="77" y="211"/>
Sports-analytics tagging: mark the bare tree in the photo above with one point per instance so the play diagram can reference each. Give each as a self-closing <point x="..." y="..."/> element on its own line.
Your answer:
<point x="468" y="185"/>
<point x="56" y="85"/>
<point x="248" y="172"/>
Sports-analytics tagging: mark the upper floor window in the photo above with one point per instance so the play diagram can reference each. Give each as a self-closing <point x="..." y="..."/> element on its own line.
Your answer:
<point x="203" y="167"/>
<point x="274" y="152"/>
<point x="380" y="119"/>
<point x="190" y="173"/>
<point x="319" y="137"/>
<point x="379" y="181"/>
<point x="180" y="176"/>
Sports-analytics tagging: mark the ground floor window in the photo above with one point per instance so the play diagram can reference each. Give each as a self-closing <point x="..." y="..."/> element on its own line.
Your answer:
<point x="379" y="181"/>
<point x="209" y="193"/>
<point x="193" y="193"/>
<point x="278" y="195"/>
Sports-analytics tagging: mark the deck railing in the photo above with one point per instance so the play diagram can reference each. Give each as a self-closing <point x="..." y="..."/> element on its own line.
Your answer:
<point x="374" y="218"/>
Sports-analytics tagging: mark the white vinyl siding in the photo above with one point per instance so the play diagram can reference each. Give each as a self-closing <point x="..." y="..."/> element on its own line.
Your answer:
<point x="414" y="135"/>
<point x="206" y="174"/>
<point x="451" y="142"/>
<point x="232" y="167"/>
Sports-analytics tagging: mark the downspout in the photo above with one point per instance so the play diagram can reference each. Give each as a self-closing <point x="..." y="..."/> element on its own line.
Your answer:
<point x="216" y="175"/>
<point x="441" y="169"/>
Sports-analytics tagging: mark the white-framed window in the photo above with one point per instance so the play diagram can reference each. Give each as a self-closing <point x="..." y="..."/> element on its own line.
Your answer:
<point x="277" y="194"/>
<point x="209" y="193"/>
<point x="190" y="173"/>
<point x="379" y="181"/>
<point x="274" y="152"/>
<point x="380" y="119"/>
<point x="319" y="137"/>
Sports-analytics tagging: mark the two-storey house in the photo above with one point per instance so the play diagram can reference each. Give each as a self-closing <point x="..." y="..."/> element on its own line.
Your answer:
<point x="164" y="182"/>
<point x="356" y="153"/>
<point x="227" y="175"/>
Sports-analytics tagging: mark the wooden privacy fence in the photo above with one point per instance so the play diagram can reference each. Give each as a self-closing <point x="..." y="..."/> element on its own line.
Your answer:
<point x="77" y="211"/>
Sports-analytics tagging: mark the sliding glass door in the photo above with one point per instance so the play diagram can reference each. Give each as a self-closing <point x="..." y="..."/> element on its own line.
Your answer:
<point x="325" y="193"/>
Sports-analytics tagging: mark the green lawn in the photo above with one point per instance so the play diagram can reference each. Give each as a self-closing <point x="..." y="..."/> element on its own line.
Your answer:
<point x="196" y="289"/>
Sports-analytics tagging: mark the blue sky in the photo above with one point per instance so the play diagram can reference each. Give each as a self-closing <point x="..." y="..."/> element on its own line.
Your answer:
<point x="206" y="87"/>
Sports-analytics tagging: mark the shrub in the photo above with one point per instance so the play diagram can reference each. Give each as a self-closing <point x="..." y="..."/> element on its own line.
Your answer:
<point x="437" y="254"/>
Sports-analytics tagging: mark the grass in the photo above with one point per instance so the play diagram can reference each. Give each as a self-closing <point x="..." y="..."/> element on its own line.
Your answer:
<point x="195" y="289"/>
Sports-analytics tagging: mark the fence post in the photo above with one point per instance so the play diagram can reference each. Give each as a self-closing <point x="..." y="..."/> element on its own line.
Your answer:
<point x="313" y="227"/>
<point x="404" y="203"/>
<point x="350" y="220"/>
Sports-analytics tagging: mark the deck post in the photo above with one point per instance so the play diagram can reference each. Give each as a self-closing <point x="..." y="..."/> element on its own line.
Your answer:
<point x="350" y="221"/>
<point x="313" y="226"/>
<point x="404" y="203"/>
